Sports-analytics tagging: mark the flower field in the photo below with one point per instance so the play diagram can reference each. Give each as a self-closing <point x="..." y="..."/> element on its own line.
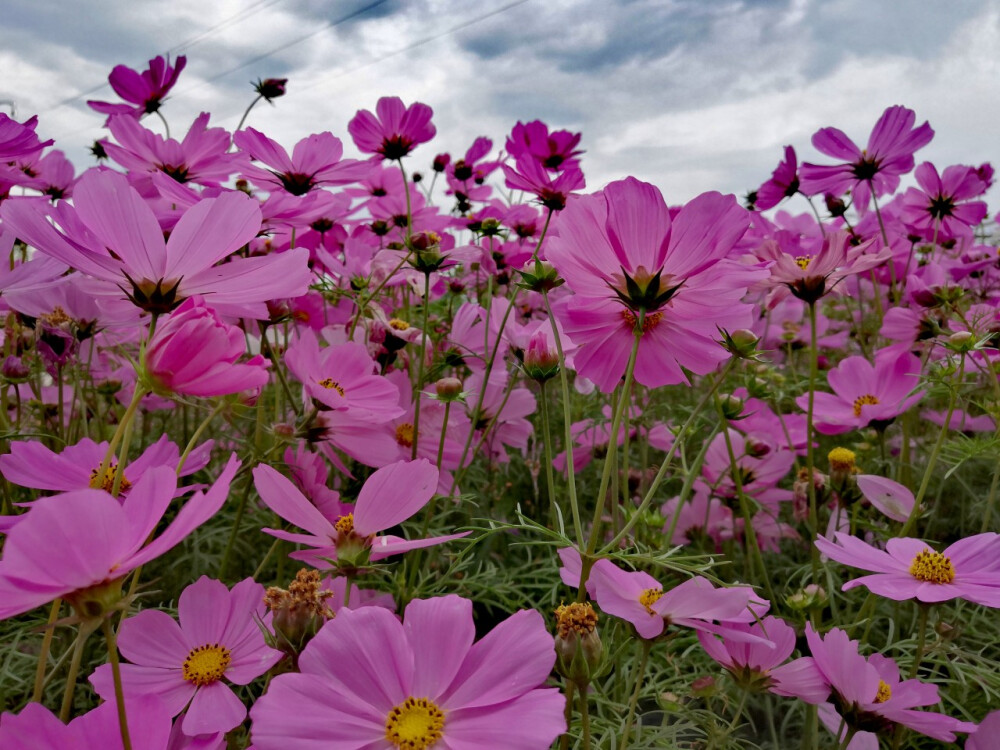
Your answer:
<point x="450" y="450"/>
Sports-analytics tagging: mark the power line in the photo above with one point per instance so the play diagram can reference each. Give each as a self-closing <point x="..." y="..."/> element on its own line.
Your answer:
<point x="291" y="43"/>
<point x="414" y="45"/>
<point x="250" y="10"/>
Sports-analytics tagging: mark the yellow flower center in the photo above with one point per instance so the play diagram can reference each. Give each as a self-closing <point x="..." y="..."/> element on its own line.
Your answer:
<point x="399" y="325"/>
<point x="648" y="323"/>
<point x="345" y="524"/>
<point x="803" y="261"/>
<point x="884" y="692"/>
<point x="861" y="401"/>
<point x="404" y="434"/>
<point x="206" y="664"/>
<point x="579" y="618"/>
<point x="932" y="567"/>
<point x="649" y="597"/>
<point x="842" y="459"/>
<point x="331" y="384"/>
<point x="107" y="482"/>
<point x="414" y="724"/>
<point x="58" y="316"/>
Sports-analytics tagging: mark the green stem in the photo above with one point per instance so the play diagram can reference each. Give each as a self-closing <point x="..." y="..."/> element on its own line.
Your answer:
<point x="547" y="448"/>
<point x="574" y="503"/>
<point x="74" y="669"/>
<point x="116" y="674"/>
<point x="243" y="119"/>
<point x="616" y="422"/>
<point x="634" y="700"/>
<point x="655" y="485"/>
<point x="810" y="433"/>
<point x="924" y="611"/>
<point x="123" y="425"/>
<point x="585" y="715"/>
<point x="43" y="655"/>
<point x="236" y="529"/>
<point x="568" y="714"/>
<point x="935" y="453"/>
<point x="197" y="435"/>
<point x="418" y="384"/>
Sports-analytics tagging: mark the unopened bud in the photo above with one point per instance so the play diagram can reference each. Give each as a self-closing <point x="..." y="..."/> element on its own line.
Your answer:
<point x="704" y="687"/>
<point x="271" y="88"/>
<point x="448" y="389"/>
<point x="14" y="370"/>
<point x="740" y="343"/>
<point x="540" y="362"/>
<point x="732" y="407"/>
<point x="579" y="650"/>
<point x="963" y="341"/>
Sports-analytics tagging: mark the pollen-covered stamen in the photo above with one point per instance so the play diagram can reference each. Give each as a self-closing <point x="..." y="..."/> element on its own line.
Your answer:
<point x="415" y="724"/>
<point x="884" y="692"/>
<point x="578" y="617"/>
<point x="803" y="261"/>
<point x="206" y="664"/>
<point x="860" y="401"/>
<point x="107" y="482"/>
<point x="58" y="316"/>
<point x="399" y="325"/>
<point x="932" y="567"/>
<point x="333" y="385"/>
<point x="649" y="597"/>
<point x="842" y="459"/>
<point x="648" y="323"/>
<point x="404" y="434"/>
<point x="345" y="525"/>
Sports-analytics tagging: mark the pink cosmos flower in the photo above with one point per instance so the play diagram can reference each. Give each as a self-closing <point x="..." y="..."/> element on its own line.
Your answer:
<point x="37" y="728"/>
<point x="943" y="207"/>
<point x="869" y="694"/>
<point x="909" y="568"/>
<point x="696" y="603"/>
<point x="624" y="256"/>
<point x="551" y="190"/>
<point x="342" y="377"/>
<point x="394" y="130"/>
<point x="28" y="277"/>
<point x="986" y="733"/>
<point x="145" y="90"/>
<point x="80" y="545"/>
<point x="201" y="158"/>
<point x="891" y="498"/>
<point x="701" y="516"/>
<point x="391" y="495"/>
<point x="864" y="394"/>
<point x="784" y="183"/>
<point x="195" y="353"/>
<point x="812" y="275"/>
<point x="316" y="161"/>
<point x="369" y="681"/>
<point x="187" y="662"/>
<point x="556" y="150"/>
<point x="877" y="168"/>
<point x="759" y="665"/>
<point x="76" y="467"/>
<point x="18" y="139"/>
<point x="113" y="235"/>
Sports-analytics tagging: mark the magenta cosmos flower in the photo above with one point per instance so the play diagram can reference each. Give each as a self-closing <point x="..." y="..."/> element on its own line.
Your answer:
<point x="869" y="695"/>
<point x="37" y="728"/>
<point x="77" y="467"/>
<point x="145" y="90"/>
<point x="784" y="183"/>
<point x="625" y="258"/>
<point x="195" y="353"/>
<point x="202" y="157"/>
<point x="369" y="681"/>
<point x="80" y="545"/>
<point x="759" y="665"/>
<point x="876" y="168"/>
<point x="316" y="161"/>
<point x="551" y="188"/>
<point x="18" y="139"/>
<point x="810" y="276"/>
<point x="865" y="395"/>
<point x="187" y="662"/>
<point x="910" y="569"/>
<point x="394" y="130"/>
<point x="391" y="495"/>
<point x="112" y="234"/>
<point x="696" y="603"/>
<point x="943" y="207"/>
<point x="343" y="376"/>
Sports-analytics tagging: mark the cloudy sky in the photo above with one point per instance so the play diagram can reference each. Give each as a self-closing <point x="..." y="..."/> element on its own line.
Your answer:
<point x="692" y="95"/>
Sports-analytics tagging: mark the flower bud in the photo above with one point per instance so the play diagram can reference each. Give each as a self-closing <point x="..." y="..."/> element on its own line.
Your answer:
<point x="963" y="341"/>
<point x="541" y="362"/>
<point x="299" y="612"/>
<point x="732" y="407"/>
<point x="14" y="370"/>
<point x="449" y="389"/>
<point x="704" y="687"/>
<point x="441" y="162"/>
<point x="740" y="343"/>
<point x="542" y="277"/>
<point x="270" y="88"/>
<point x="579" y="651"/>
